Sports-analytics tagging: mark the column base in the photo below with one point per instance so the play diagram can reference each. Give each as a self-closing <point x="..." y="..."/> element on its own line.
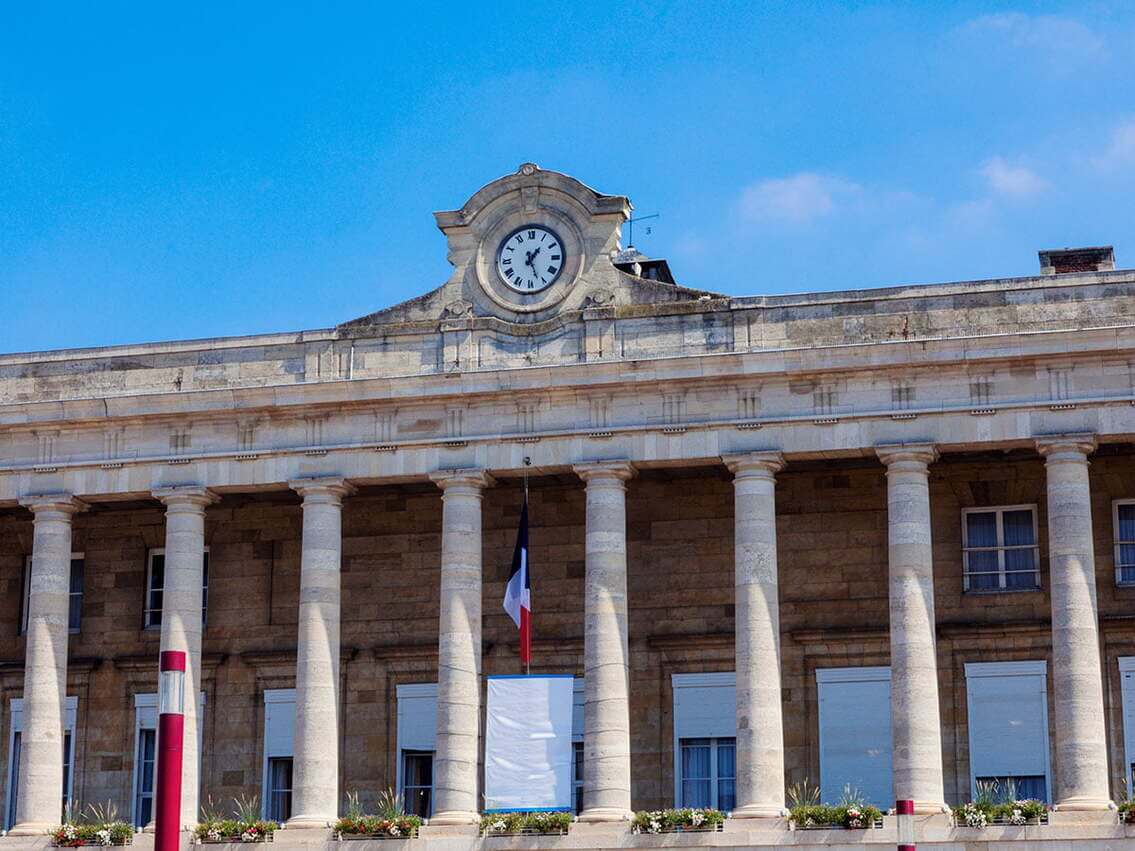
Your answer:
<point x="32" y="828"/>
<point x="765" y="811"/>
<point x="931" y="808"/>
<point x="455" y="817"/>
<point x="1083" y="805"/>
<point x="601" y="814"/>
<point x="309" y="822"/>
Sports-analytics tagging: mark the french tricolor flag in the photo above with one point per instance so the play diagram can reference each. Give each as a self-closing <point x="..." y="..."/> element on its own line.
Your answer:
<point x="518" y="592"/>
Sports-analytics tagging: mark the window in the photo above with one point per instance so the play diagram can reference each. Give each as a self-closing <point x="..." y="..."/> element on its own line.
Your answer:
<point x="155" y="584"/>
<point x="418" y="781"/>
<point x="15" y="745"/>
<point x="1000" y="549"/>
<point x="1123" y="525"/>
<point x="279" y="807"/>
<point x="577" y="777"/>
<point x="855" y="733"/>
<point x="144" y="777"/>
<point x="1008" y="727"/>
<point x="709" y="772"/>
<point x="417" y="734"/>
<point x="1127" y="692"/>
<point x="76" y="605"/>
<point x="705" y="744"/>
<point x="279" y="750"/>
<point x="578" y="699"/>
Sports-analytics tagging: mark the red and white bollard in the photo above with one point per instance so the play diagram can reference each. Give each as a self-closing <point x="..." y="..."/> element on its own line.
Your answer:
<point x="171" y="736"/>
<point x="904" y="812"/>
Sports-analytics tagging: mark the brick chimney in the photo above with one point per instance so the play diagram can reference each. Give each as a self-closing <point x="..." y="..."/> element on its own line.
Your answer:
<point x="1062" y="261"/>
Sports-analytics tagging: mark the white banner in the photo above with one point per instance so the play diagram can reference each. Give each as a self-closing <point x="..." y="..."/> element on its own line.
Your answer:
<point x="528" y="743"/>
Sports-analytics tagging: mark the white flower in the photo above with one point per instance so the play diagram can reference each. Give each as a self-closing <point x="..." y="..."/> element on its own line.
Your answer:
<point x="974" y="817"/>
<point x="69" y="831"/>
<point x="497" y="825"/>
<point x="697" y="817"/>
<point x="250" y="835"/>
<point x="655" y="826"/>
<point x="394" y="831"/>
<point x="213" y="834"/>
<point x="103" y="836"/>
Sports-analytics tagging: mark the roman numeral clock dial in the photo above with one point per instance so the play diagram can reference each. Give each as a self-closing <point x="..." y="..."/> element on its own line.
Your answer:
<point x="530" y="259"/>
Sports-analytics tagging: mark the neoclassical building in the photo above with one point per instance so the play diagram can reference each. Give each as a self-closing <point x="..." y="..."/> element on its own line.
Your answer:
<point x="882" y="538"/>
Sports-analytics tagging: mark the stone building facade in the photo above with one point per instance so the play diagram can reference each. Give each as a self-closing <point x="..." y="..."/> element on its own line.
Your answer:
<point x="864" y="522"/>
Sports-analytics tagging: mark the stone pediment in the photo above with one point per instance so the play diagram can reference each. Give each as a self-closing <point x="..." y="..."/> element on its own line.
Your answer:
<point x="588" y="269"/>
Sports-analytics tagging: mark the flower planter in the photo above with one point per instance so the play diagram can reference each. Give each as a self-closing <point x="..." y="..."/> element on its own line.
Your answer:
<point x="352" y="837"/>
<point x="678" y="828"/>
<point x="877" y="824"/>
<point x="524" y="831"/>
<point x="233" y="840"/>
<point x="92" y="835"/>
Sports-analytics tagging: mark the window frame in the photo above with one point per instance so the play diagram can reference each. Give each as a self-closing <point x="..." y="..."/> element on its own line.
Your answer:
<point x="714" y="743"/>
<point x="408" y="697"/>
<point x="1117" y="543"/>
<point x="1005" y="670"/>
<point x="25" y="593"/>
<point x="275" y="697"/>
<point x="999" y="511"/>
<point x="147" y="590"/>
<point x="405" y="754"/>
<point x="16" y="705"/>
<point x="270" y="792"/>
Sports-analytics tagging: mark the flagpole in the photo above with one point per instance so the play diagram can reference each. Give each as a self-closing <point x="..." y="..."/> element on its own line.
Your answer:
<point x="528" y="656"/>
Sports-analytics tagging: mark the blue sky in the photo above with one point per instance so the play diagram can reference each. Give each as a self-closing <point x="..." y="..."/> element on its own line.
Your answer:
<point x="181" y="171"/>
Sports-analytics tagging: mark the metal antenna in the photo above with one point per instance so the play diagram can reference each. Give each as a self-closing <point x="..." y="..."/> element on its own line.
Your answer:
<point x="630" y="227"/>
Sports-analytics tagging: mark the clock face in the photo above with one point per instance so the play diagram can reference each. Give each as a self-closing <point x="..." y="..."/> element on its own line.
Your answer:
<point x="530" y="258"/>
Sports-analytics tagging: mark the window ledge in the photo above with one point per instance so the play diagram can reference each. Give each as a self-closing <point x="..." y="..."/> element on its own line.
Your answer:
<point x="987" y="592"/>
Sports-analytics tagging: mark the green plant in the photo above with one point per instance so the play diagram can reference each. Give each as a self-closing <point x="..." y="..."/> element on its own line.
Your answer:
<point x="354" y="807"/>
<point x="853" y="816"/>
<point x="525" y="822"/>
<point x="686" y="818"/>
<point x="851" y="796"/>
<point x="981" y="813"/>
<point x="1127" y="812"/>
<point x="97" y="825"/>
<point x="803" y="794"/>
<point x="246" y="810"/>
<point x="390" y="804"/>
<point x="211" y="811"/>
<point x="365" y="825"/>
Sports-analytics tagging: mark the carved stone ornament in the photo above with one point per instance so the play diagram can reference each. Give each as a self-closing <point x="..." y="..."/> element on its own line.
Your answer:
<point x="528" y="169"/>
<point x="456" y="309"/>
<point x="598" y="298"/>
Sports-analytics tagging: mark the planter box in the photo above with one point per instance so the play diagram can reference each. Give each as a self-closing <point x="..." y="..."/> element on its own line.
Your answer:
<point x="875" y="825"/>
<point x="235" y="840"/>
<point x="84" y="843"/>
<point x="352" y="837"/>
<point x="678" y="828"/>
<point x="527" y="831"/>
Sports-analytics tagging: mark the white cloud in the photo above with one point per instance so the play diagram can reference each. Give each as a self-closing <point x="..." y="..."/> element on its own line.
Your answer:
<point x="797" y="199"/>
<point x="1120" y="150"/>
<point x="1016" y="181"/>
<point x="1050" y="36"/>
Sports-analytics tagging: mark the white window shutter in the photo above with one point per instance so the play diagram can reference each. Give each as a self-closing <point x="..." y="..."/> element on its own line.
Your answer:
<point x="1008" y="719"/>
<point x="417" y="717"/>
<point x="855" y="733"/>
<point x="279" y="722"/>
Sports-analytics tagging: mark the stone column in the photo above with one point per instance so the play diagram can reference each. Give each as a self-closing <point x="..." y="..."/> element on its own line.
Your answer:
<point x="39" y="804"/>
<point x="456" y="798"/>
<point x="606" y="670"/>
<point x="181" y="616"/>
<point x="760" y="728"/>
<point x="916" y="727"/>
<point x="1077" y="683"/>
<point x="315" y="774"/>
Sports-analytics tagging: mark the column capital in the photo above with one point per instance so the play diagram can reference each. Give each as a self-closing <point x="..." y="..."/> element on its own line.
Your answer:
<point x="764" y="464"/>
<point x="329" y="489"/>
<point x="1067" y="447"/>
<point x="613" y="470"/>
<point x="61" y="502"/>
<point x="467" y="477"/>
<point x="911" y="456"/>
<point x="194" y="497"/>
